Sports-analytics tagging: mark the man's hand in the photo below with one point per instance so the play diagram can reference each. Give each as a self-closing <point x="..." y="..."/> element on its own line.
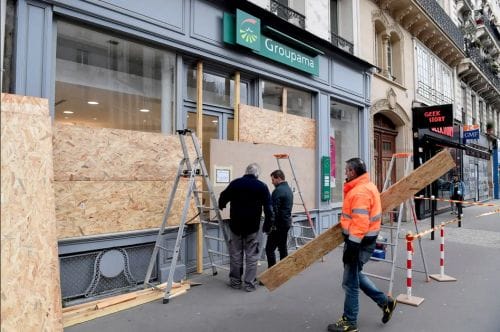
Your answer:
<point x="351" y="252"/>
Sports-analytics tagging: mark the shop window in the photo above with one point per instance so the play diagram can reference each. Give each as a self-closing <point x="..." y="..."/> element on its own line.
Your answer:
<point x="103" y="80"/>
<point x="217" y="89"/>
<point x="344" y="143"/>
<point x="298" y="102"/>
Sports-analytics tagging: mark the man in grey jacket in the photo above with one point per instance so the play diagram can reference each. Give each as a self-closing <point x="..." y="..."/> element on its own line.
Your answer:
<point x="282" y="200"/>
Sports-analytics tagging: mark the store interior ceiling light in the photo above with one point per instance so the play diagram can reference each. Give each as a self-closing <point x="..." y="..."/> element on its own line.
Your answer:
<point x="68" y="112"/>
<point x="93" y="102"/>
<point x="144" y="110"/>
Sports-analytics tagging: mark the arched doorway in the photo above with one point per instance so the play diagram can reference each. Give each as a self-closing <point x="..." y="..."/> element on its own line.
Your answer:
<point x="384" y="134"/>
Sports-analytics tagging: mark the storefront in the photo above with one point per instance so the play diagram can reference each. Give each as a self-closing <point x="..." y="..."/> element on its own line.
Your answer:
<point x="123" y="65"/>
<point x="434" y="131"/>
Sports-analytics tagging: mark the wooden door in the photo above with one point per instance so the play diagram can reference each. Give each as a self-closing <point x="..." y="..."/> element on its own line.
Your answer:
<point x="384" y="147"/>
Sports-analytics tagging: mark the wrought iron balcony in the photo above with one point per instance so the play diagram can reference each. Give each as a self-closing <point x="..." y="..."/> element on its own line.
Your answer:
<point x="437" y="13"/>
<point x="474" y="54"/>
<point x="342" y="43"/>
<point x="484" y="20"/>
<point x="288" y="14"/>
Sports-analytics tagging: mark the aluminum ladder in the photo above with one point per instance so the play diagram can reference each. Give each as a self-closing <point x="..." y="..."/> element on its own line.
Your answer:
<point x="395" y="229"/>
<point x="300" y="233"/>
<point x="191" y="171"/>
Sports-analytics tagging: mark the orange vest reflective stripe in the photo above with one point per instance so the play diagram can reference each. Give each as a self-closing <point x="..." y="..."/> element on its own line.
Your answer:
<point x="362" y="210"/>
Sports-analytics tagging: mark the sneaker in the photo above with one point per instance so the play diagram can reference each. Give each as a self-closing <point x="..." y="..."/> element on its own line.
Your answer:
<point x="250" y="288"/>
<point x="342" y="325"/>
<point x="453" y="212"/>
<point x="234" y="285"/>
<point x="388" y="309"/>
<point x="461" y="215"/>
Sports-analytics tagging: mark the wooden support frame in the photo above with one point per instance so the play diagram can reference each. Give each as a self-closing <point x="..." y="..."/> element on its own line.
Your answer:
<point x="401" y="191"/>
<point x="236" y="108"/>
<point x="199" y="133"/>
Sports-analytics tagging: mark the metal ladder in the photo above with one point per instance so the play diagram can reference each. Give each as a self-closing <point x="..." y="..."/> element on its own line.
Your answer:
<point x="394" y="230"/>
<point x="190" y="171"/>
<point x="300" y="233"/>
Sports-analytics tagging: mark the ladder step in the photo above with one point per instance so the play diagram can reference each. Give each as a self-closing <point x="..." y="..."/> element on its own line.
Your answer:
<point x="218" y="253"/>
<point x="304" y="237"/>
<point x="211" y="222"/>
<point x="210" y="237"/>
<point x="201" y="191"/>
<point x="301" y="226"/>
<point x="381" y="260"/>
<point x="203" y="207"/>
<point x="388" y="227"/>
<point x="163" y="248"/>
<point x="377" y="276"/>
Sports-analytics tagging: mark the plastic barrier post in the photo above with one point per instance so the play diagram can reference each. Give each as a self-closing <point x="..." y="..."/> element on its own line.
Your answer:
<point x="408" y="298"/>
<point x="441" y="276"/>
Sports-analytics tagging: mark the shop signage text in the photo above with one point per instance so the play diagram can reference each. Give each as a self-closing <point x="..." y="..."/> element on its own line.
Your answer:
<point x="244" y="30"/>
<point x="471" y="132"/>
<point x="447" y="131"/>
<point x="439" y="116"/>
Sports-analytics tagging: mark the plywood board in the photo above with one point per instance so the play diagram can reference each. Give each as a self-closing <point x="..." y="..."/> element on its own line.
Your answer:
<point x="401" y="191"/>
<point x="101" y="207"/>
<point x="237" y="155"/>
<point x="30" y="288"/>
<point x="98" y="154"/>
<point x="276" y="128"/>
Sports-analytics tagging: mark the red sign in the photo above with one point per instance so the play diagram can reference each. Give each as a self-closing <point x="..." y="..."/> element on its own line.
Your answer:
<point x="439" y="116"/>
<point x="447" y="131"/>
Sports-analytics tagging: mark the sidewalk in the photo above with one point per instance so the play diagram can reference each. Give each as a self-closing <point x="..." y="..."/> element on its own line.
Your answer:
<point x="314" y="298"/>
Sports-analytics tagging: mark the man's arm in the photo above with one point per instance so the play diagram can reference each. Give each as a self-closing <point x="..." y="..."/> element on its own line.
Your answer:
<point x="268" y="211"/>
<point x="225" y="197"/>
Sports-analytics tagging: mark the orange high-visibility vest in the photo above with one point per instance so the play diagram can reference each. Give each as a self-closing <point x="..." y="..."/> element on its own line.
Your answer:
<point x="362" y="210"/>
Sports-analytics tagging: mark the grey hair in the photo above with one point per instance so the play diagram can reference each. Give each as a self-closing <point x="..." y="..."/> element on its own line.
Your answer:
<point x="253" y="169"/>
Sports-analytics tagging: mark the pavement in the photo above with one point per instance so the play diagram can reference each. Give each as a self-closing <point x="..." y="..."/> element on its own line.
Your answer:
<point x="314" y="298"/>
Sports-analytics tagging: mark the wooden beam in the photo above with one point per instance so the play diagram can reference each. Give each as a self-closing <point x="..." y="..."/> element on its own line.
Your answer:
<point x="236" y="114"/>
<point x="401" y="191"/>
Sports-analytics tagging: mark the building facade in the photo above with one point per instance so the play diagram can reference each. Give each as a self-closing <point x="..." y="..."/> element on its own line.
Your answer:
<point x="133" y="68"/>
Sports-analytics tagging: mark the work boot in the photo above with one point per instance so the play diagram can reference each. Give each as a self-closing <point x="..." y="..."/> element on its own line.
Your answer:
<point x="342" y="325"/>
<point x="388" y="309"/>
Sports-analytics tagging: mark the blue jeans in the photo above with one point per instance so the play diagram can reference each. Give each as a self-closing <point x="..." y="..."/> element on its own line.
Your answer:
<point x="354" y="280"/>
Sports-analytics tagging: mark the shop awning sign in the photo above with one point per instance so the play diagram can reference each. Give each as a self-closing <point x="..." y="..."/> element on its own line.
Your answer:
<point x="244" y="30"/>
<point x="438" y="116"/>
<point x="471" y="132"/>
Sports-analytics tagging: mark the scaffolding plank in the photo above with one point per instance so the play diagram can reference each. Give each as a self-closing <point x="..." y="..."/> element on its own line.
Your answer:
<point x="401" y="191"/>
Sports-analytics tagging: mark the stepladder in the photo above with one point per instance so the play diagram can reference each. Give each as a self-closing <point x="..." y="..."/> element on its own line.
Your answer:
<point x="387" y="242"/>
<point x="198" y="190"/>
<point x="302" y="230"/>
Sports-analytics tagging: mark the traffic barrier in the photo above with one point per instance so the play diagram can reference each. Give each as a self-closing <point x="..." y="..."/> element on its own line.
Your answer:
<point x="408" y="298"/>
<point x="489" y="213"/>
<point x="441" y="276"/>
<point x="455" y="201"/>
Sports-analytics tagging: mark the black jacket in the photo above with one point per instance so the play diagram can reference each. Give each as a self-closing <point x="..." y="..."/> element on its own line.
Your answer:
<point x="282" y="200"/>
<point x="248" y="196"/>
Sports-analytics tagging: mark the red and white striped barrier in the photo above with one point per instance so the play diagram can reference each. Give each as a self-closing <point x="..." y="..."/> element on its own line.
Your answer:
<point x="489" y="213"/>
<point x="432" y="198"/>
<point x="408" y="298"/>
<point x="441" y="276"/>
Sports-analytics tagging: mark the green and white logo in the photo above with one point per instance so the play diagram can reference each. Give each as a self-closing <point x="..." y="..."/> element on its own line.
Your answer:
<point x="248" y="30"/>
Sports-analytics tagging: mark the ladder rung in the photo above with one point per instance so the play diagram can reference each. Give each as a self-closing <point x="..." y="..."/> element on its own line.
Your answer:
<point x="201" y="191"/>
<point x="388" y="227"/>
<point x="301" y="226"/>
<point x="388" y="243"/>
<point x="218" y="252"/>
<point x="214" y="238"/>
<point x="377" y="276"/>
<point x="381" y="260"/>
<point x="210" y="222"/>
<point x="205" y="207"/>
<point x="303" y="237"/>
<point x="163" y="248"/>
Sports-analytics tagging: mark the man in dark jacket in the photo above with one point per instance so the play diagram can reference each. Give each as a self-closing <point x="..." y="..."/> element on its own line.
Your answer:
<point x="282" y="199"/>
<point x="248" y="196"/>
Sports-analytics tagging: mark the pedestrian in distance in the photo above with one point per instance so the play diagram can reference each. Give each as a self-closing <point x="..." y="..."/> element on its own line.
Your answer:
<point x="360" y="221"/>
<point x="457" y="192"/>
<point x="277" y="231"/>
<point x="248" y="197"/>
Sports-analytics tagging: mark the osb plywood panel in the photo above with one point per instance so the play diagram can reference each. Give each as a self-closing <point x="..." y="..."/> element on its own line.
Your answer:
<point x="258" y="125"/>
<point x="30" y="288"/>
<point x="96" y="154"/>
<point x="100" y="207"/>
<point x="237" y="155"/>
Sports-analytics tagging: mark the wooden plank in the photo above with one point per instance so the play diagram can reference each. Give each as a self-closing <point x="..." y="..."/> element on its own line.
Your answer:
<point x="402" y="190"/>
<point x="71" y="318"/>
<point x="302" y="258"/>
<point x="424" y="175"/>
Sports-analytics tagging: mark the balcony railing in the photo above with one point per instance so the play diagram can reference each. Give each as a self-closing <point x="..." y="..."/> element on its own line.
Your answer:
<point x="474" y="53"/>
<point x="342" y="43"/>
<point x="432" y="94"/>
<point x="288" y="14"/>
<point x="437" y="13"/>
<point x="485" y="20"/>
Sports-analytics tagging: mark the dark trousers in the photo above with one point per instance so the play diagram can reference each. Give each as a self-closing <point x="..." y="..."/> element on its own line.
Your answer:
<point x="277" y="238"/>
<point x="458" y="205"/>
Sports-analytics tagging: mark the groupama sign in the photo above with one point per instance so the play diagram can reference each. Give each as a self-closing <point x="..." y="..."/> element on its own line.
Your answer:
<point x="244" y="30"/>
